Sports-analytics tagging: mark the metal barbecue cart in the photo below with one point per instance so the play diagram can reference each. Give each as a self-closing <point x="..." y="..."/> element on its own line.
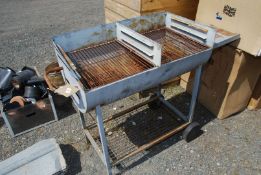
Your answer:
<point x="113" y="61"/>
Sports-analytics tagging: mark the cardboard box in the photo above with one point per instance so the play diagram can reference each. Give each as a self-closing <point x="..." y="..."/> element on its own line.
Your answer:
<point x="255" y="101"/>
<point x="116" y="10"/>
<point x="228" y="81"/>
<point x="237" y="16"/>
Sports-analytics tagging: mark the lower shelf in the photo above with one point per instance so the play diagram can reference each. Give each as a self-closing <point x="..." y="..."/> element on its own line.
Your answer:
<point x="137" y="131"/>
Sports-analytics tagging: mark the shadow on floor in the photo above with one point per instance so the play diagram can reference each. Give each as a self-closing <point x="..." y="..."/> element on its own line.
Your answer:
<point x="63" y="105"/>
<point x="140" y="133"/>
<point x="182" y="102"/>
<point x="2" y="122"/>
<point x="72" y="158"/>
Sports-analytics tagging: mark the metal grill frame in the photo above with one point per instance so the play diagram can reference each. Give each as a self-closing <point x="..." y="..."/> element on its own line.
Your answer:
<point x="86" y="99"/>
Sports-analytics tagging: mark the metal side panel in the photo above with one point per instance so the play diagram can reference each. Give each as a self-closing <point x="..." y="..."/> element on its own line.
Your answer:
<point x="198" y="31"/>
<point x="144" y="80"/>
<point x="30" y="117"/>
<point x="210" y="35"/>
<point x="142" y="45"/>
<point x="70" y="77"/>
<point x="76" y="39"/>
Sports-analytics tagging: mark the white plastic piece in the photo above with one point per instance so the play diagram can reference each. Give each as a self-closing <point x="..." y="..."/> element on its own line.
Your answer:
<point x="144" y="46"/>
<point x="67" y="90"/>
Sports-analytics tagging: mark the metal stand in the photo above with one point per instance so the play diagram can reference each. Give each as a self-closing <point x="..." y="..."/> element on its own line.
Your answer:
<point x="193" y="101"/>
<point x="103" y="140"/>
<point x="104" y="153"/>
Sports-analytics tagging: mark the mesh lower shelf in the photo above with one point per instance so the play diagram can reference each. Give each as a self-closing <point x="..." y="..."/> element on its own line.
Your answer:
<point x="129" y="132"/>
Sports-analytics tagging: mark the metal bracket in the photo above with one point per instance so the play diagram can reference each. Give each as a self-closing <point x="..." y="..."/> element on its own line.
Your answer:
<point x="144" y="46"/>
<point x="198" y="31"/>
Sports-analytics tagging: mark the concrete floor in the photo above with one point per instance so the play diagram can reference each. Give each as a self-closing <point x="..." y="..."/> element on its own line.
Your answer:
<point x="231" y="146"/>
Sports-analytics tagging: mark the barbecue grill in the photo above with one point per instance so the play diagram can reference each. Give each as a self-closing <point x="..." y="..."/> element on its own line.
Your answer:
<point x="113" y="61"/>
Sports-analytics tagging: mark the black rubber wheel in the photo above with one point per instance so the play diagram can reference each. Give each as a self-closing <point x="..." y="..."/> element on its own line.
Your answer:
<point x="192" y="131"/>
<point x="155" y="104"/>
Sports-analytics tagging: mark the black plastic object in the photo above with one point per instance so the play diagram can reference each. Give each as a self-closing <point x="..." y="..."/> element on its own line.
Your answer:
<point x="192" y="131"/>
<point x="40" y="83"/>
<point x="10" y="106"/>
<point x="6" y="75"/>
<point x="32" y="92"/>
<point x="19" y="81"/>
<point x="35" y="81"/>
<point x="155" y="104"/>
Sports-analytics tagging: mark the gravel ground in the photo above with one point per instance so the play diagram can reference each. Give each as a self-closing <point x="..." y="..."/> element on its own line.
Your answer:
<point x="231" y="146"/>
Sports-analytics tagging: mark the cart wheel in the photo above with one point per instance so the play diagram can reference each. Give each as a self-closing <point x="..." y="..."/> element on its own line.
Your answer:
<point x="155" y="104"/>
<point x="192" y="131"/>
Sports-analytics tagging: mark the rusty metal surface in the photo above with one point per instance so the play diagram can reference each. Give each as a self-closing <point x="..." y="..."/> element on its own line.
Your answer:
<point x="128" y="133"/>
<point x="110" y="61"/>
<point x="174" y="45"/>
<point x="106" y="63"/>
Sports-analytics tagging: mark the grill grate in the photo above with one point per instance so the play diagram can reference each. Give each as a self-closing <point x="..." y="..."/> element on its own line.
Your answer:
<point x="111" y="61"/>
<point x="174" y="45"/>
<point x="107" y="62"/>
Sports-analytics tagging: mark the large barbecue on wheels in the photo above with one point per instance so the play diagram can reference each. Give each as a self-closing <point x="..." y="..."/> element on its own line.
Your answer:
<point x="113" y="61"/>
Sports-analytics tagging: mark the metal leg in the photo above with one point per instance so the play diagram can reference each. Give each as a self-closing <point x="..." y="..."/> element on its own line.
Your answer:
<point x="169" y="105"/>
<point x="158" y="91"/>
<point x="195" y="90"/>
<point x="90" y="138"/>
<point x="103" y="140"/>
<point x="82" y="120"/>
<point x="53" y="106"/>
<point x="7" y="123"/>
